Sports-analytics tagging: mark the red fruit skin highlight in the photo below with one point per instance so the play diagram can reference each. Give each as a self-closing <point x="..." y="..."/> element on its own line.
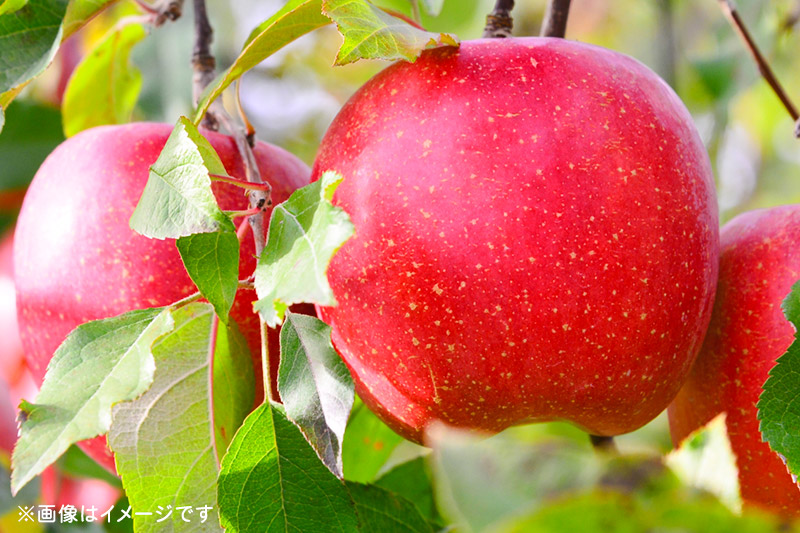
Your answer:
<point x="536" y="238"/>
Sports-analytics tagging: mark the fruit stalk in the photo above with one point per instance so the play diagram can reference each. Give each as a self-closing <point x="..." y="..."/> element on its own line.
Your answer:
<point x="729" y="8"/>
<point x="499" y="22"/>
<point x="603" y="444"/>
<point x="555" y="19"/>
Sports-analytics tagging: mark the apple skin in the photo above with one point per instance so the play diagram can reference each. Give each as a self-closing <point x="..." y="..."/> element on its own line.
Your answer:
<point x="76" y="258"/>
<point x="759" y="263"/>
<point x="536" y="238"/>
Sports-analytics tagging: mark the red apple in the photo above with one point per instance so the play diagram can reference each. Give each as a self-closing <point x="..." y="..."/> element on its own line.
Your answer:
<point x="77" y="259"/>
<point x="759" y="262"/>
<point x="12" y="361"/>
<point x="536" y="238"/>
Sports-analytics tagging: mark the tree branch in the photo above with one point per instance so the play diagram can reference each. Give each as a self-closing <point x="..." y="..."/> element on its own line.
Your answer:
<point x="499" y="22"/>
<point x="730" y="11"/>
<point x="555" y="19"/>
<point x="203" y="61"/>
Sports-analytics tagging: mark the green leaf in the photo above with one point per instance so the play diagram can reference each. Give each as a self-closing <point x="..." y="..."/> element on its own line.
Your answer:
<point x="315" y="386"/>
<point x="77" y="464"/>
<point x="234" y="385"/>
<point x="433" y="7"/>
<point x="164" y="441"/>
<point x="293" y="20"/>
<point x="80" y="12"/>
<point x="779" y="404"/>
<point x="29" y="40"/>
<point x="99" y="364"/>
<point x="304" y="233"/>
<point x="104" y="87"/>
<point x="212" y="261"/>
<point x="32" y="131"/>
<point x="272" y="480"/>
<point x="368" y="443"/>
<point x="9" y="6"/>
<point x="483" y="481"/>
<point x="705" y="460"/>
<point x="380" y="511"/>
<point x="412" y="480"/>
<point x="177" y="200"/>
<point x="371" y="33"/>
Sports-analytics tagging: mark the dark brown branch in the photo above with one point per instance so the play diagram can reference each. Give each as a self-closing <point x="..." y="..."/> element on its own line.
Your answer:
<point x="203" y="61"/>
<point x="763" y="66"/>
<point x="555" y="19"/>
<point x="603" y="444"/>
<point x="499" y="22"/>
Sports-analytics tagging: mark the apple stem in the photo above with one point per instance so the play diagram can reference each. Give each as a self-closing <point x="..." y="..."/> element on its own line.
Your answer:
<point x="603" y="444"/>
<point x="499" y="22"/>
<point x="555" y="19"/>
<point x="239" y="183"/>
<point x="731" y="12"/>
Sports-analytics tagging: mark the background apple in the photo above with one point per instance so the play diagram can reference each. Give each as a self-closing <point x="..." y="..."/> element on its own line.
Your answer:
<point x="759" y="263"/>
<point x="76" y="258"/>
<point x="536" y="238"/>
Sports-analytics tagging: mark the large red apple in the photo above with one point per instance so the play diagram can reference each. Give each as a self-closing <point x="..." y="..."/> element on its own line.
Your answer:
<point x="536" y="238"/>
<point x="77" y="259"/>
<point x="759" y="262"/>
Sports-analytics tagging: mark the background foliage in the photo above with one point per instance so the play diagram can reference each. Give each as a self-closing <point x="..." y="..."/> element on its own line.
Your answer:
<point x="292" y="97"/>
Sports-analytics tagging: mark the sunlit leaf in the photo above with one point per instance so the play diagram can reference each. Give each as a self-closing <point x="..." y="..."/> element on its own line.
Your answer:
<point x="99" y="364"/>
<point x="104" y="87"/>
<point x="371" y="33"/>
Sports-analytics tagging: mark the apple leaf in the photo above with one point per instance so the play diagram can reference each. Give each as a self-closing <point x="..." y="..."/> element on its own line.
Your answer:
<point x="412" y="480"/>
<point x="29" y="40"/>
<point x="104" y="87"/>
<point x="779" y="404"/>
<point x="316" y="388"/>
<point x="165" y="442"/>
<point x="272" y="480"/>
<point x="9" y="6"/>
<point x="32" y="131"/>
<point x="368" y="443"/>
<point x="371" y="33"/>
<point x="705" y="460"/>
<point x="380" y="510"/>
<point x="177" y="200"/>
<point x="433" y="7"/>
<point x="304" y="233"/>
<point x="80" y="12"/>
<point x="293" y="20"/>
<point x="75" y="463"/>
<point x="99" y="364"/>
<point x="212" y="261"/>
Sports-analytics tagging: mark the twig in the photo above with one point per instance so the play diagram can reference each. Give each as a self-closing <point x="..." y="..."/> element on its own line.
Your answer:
<point x="499" y="22"/>
<point x="763" y="66"/>
<point x="415" y="14"/>
<point x="203" y="61"/>
<point x="555" y="19"/>
<point x="161" y="11"/>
